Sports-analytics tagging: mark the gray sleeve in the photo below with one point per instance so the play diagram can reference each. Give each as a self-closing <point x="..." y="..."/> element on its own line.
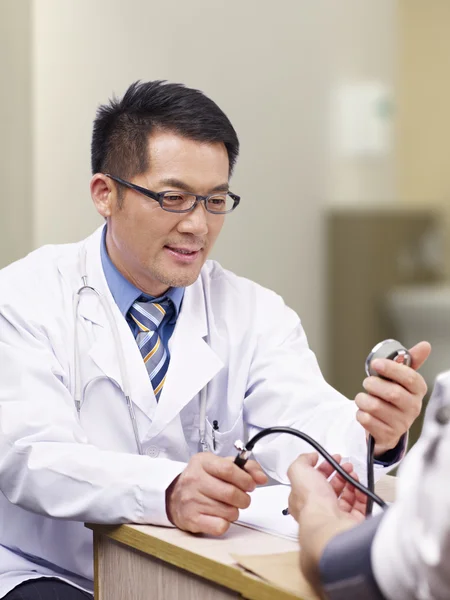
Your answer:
<point x="345" y="567"/>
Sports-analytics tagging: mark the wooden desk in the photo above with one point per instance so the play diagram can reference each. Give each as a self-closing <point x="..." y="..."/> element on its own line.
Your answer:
<point x="144" y="562"/>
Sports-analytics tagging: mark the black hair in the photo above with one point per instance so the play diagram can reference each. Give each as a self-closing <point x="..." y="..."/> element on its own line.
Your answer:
<point x="122" y="127"/>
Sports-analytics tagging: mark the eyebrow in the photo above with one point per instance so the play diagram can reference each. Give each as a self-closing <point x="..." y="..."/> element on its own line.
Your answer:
<point x="177" y="183"/>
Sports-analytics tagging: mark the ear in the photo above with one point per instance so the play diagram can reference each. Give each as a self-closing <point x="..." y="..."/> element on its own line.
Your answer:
<point x="103" y="193"/>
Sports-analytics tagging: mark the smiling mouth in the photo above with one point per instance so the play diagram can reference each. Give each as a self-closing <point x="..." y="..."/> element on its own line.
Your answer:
<point x="183" y="251"/>
<point x="183" y="256"/>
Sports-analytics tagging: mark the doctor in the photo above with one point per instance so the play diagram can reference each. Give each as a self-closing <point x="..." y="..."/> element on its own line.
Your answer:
<point x="402" y="554"/>
<point x="129" y="365"/>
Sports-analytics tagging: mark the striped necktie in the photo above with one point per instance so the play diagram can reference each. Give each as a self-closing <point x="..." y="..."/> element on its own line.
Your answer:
<point x="148" y="316"/>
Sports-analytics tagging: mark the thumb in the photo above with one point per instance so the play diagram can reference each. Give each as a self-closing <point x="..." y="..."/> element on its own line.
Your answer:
<point x="419" y="354"/>
<point x="254" y="469"/>
<point x="308" y="459"/>
<point x="297" y="469"/>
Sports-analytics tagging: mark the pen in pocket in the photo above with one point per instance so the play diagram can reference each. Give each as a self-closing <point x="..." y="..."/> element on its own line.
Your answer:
<point x="214" y="429"/>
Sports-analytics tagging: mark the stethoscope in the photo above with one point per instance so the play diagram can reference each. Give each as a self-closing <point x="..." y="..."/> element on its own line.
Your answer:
<point x="386" y="349"/>
<point x="86" y="288"/>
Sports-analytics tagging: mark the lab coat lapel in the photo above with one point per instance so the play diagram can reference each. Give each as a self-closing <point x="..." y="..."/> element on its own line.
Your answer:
<point x="193" y="363"/>
<point x="104" y="354"/>
<point x="103" y="351"/>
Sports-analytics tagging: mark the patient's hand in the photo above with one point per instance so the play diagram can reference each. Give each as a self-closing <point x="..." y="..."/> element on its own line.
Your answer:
<point x="310" y="487"/>
<point x="322" y="508"/>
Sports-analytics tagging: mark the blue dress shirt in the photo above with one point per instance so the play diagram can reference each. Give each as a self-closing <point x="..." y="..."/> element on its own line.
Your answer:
<point x="125" y="293"/>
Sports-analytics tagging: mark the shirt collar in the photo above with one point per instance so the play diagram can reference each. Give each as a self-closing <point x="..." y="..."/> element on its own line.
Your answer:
<point x="124" y="292"/>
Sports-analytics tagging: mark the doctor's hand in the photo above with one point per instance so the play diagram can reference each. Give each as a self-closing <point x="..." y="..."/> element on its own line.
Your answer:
<point x="389" y="406"/>
<point x="207" y="495"/>
<point x="322" y="508"/>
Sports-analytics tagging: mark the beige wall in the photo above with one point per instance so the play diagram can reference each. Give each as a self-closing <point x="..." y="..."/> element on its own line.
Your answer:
<point x="271" y="66"/>
<point x="254" y="59"/>
<point x="16" y="183"/>
<point x="423" y="99"/>
<point x="364" y="50"/>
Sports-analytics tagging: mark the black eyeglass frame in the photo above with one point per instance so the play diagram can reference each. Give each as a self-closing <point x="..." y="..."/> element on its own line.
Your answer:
<point x="159" y="196"/>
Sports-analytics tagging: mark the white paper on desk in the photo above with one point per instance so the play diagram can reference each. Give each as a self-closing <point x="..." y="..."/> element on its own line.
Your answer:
<point x="265" y="512"/>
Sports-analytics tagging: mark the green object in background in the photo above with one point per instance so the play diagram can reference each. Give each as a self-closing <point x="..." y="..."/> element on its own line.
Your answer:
<point x="385" y="108"/>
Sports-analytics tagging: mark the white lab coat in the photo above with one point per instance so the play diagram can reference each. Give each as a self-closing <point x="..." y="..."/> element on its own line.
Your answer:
<point x="58" y="471"/>
<point x="411" y="549"/>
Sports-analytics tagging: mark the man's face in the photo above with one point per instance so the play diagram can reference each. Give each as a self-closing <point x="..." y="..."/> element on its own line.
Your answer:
<point x="156" y="249"/>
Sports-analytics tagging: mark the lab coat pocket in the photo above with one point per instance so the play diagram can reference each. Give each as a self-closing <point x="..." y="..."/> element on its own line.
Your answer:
<point x="222" y="442"/>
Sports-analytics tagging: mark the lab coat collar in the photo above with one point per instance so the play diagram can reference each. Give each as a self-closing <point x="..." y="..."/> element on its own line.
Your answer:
<point x="192" y="365"/>
<point x="103" y="351"/>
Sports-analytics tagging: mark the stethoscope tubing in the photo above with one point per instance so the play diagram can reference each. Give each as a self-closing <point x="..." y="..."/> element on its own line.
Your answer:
<point x="87" y="288"/>
<point x="241" y="458"/>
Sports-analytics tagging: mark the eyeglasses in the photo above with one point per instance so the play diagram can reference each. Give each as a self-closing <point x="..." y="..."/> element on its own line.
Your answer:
<point x="220" y="203"/>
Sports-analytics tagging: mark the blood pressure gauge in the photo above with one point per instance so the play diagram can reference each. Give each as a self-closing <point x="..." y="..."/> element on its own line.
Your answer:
<point x="388" y="349"/>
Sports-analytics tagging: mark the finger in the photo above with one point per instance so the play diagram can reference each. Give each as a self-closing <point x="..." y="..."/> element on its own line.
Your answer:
<point x="384" y="411"/>
<point x="377" y="428"/>
<point x="209" y="524"/>
<point x="326" y="468"/>
<point x="307" y="459"/>
<point x="308" y="484"/>
<point x="352" y="497"/>
<point x="255" y="471"/>
<point x="358" y="505"/>
<point x="215" y="508"/>
<point x="225" y="492"/>
<point x="419" y="354"/>
<point x="359" y="496"/>
<point x="374" y="411"/>
<point x="338" y="482"/>
<point x="356" y="510"/>
<point x="307" y="481"/>
<point x="361" y="501"/>
<point x="303" y="462"/>
<point x="225" y="470"/>
<point x="390" y="392"/>
<point x="348" y="495"/>
<point x="346" y="504"/>
<point x="402" y="374"/>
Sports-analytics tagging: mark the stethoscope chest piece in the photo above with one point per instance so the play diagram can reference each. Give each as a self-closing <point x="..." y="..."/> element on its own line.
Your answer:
<point x="391" y="349"/>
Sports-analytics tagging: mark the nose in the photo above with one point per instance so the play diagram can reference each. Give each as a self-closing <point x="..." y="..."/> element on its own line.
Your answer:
<point x="195" y="222"/>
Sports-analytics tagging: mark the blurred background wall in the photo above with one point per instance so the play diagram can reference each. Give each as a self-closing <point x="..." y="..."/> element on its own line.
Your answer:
<point x="16" y="129"/>
<point x="341" y="112"/>
<point x="423" y="100"/>
<point x="272" y="67"/>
